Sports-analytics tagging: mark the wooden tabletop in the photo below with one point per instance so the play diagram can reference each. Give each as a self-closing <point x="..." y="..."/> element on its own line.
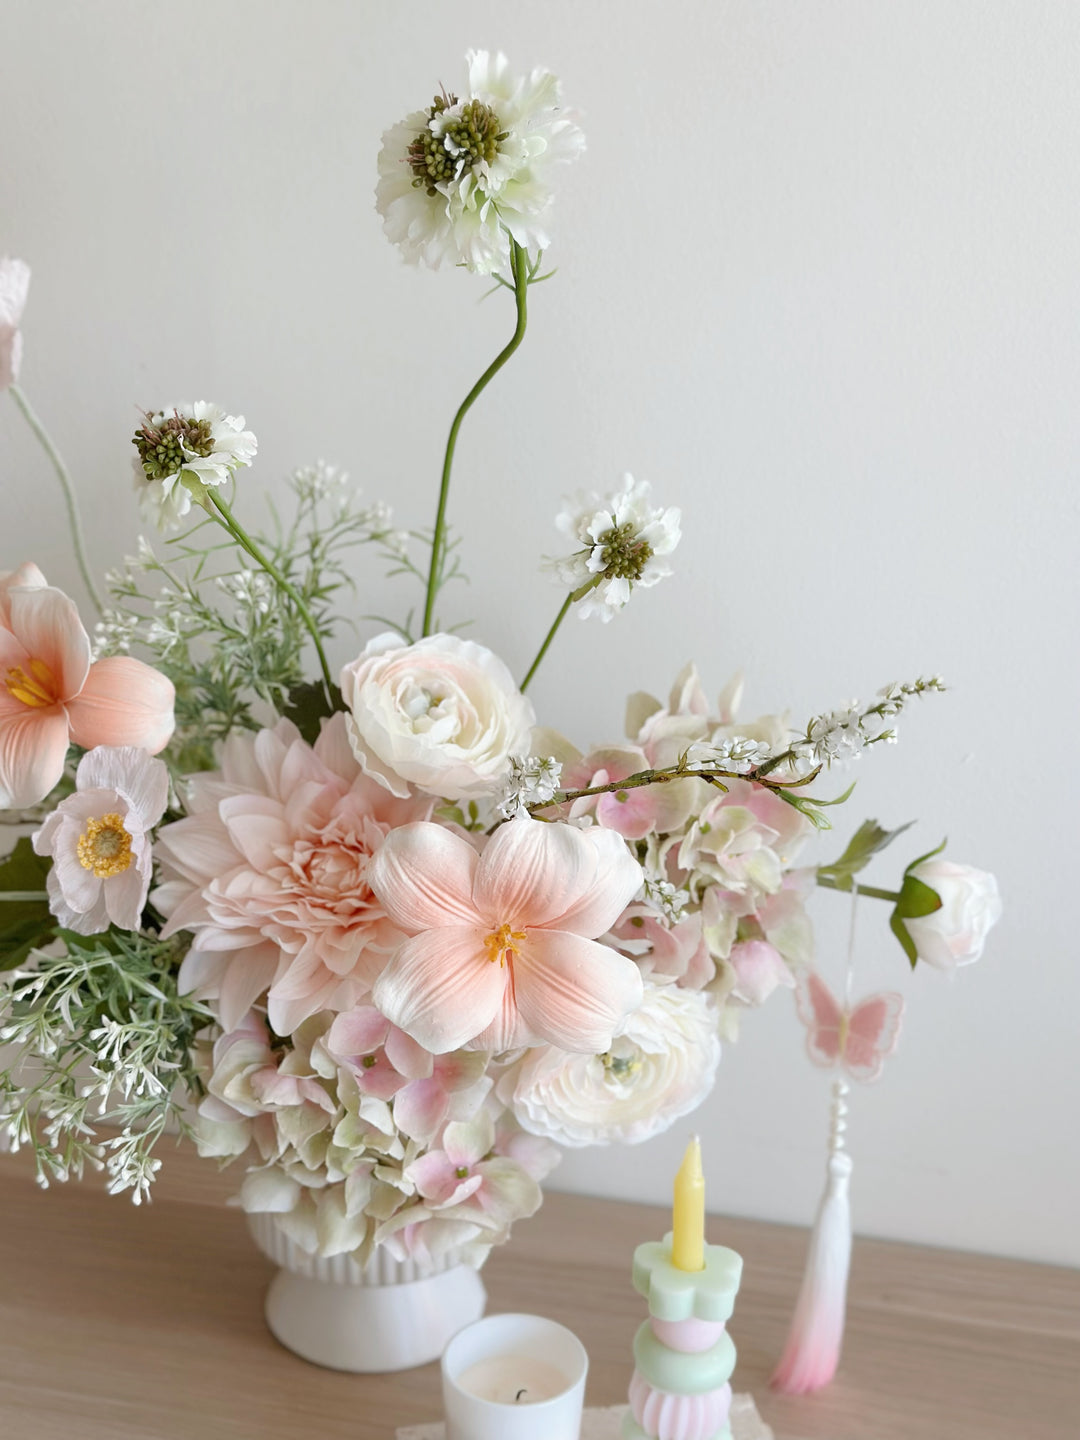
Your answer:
<point x="119" y="1323"/>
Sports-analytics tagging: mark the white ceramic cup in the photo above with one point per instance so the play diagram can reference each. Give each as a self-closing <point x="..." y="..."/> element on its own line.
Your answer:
<point x="493" y="1356"/>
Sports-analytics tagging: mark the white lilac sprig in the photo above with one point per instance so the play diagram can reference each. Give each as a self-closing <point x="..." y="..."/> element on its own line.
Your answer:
<point x="533" y="780"/>
<point x="842" y="734"/>
<point x="469" y="177"/>
<point x="735" y="754"/>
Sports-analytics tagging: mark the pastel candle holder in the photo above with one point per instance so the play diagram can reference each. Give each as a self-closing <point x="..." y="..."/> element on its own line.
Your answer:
<point x="486" y="1365"/>
<point x="683" y="1355"/>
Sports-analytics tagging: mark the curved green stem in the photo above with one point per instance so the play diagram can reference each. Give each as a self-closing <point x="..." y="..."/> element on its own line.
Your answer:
<point x="74" y="520"/>
<point x="244" y="540"/>
<point x="519" y="269"/>
<point x="548" y="639"/>
<point x="871" y="890"/>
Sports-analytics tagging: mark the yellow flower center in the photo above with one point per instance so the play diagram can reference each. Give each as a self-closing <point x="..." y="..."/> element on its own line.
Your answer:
<point x="37" y="689"/>
<point x="105" y="847"/>
<point x="502" y="942"/>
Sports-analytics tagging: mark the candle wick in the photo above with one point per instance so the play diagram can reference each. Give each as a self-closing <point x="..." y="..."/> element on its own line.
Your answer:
<point x="519" y="1394"/>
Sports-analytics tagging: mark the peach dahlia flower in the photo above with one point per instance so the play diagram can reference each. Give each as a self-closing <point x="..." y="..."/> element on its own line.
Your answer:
<point x="269" y="870"/>
<point x="51" y="695"/>
<point x="502" y="950"/>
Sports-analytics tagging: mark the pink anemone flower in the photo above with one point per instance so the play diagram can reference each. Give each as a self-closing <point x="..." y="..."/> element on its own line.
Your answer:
<point x="502" y="950"/>
<point x="51" y="695"/>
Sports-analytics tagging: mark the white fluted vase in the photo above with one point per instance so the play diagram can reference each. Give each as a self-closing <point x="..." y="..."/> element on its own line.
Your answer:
<point x="386" y="1315"/>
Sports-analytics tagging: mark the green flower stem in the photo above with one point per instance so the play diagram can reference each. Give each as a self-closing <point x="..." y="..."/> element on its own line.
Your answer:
<point x="871" y="890"/>
<point x="23" y="896"/>
<point x="74" y="521"/>
<point x="519" y="269"/>
<point x="244" y="540"/>
<point x="547" y="640"/>
<point x="571" y="599"/>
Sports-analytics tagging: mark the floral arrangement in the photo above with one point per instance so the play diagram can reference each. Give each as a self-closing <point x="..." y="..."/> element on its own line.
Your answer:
<point x="373" y="930"/>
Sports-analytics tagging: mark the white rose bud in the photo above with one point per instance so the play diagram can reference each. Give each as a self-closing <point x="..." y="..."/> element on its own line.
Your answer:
<point x="444" y="715"/>
<point x="970" y="906"/>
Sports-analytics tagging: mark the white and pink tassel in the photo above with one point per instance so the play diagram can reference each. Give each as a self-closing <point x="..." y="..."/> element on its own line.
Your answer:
<point x="812" y="1351"/>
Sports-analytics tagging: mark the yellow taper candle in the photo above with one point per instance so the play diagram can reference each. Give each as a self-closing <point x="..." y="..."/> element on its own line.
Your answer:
<point x="688" y="1220"/>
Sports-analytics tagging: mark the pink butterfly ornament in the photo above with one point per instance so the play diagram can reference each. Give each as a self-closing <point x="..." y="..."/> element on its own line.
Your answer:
<point x="858" y="1039"/>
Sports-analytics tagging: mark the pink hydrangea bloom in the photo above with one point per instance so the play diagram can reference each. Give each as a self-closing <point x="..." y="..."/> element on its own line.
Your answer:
<point x="51" y="695"/>
<point x="270" y="871"/>
<point x="503" y="952"/>
<point x="466" y="1172"/>
<point x="14" y="286"/>
<point x="99" y="840"/>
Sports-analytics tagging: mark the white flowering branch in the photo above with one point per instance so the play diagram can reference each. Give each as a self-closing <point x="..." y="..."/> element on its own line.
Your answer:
<point x="519" y="269"/>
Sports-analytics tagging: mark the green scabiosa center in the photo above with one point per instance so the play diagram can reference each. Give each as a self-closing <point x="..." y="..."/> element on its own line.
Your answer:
<point x="464" y="141"/>
<point x="624" y="553"/>
<point x="162" y="445"/>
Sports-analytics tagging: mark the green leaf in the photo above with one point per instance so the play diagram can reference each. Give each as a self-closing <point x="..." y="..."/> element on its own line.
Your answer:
<point x="24" y="924"/>
<point x="899" y="929"/>
<point x="867" y="841"/>
<point x="916" y="898"/>
<point x="307" y="707"/>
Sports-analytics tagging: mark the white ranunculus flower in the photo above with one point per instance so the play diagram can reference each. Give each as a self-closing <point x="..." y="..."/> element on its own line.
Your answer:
<point x="970" y="906"/>
<point x="458" y="179"/>
<point x="443" y="715"/>
<point x="660" y="1068"/>
<point x="181" y="452"/>
<point x="623" y="540"/>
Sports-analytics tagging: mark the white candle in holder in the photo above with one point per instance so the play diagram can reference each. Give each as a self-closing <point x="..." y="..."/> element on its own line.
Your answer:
<point x="514" y="1377"/>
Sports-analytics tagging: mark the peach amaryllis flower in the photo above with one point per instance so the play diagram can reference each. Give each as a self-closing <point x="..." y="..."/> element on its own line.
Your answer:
<point x="502" y="950"/>
<point x="51" y="695"/>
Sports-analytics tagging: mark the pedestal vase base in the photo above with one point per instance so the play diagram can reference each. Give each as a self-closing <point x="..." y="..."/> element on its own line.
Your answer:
<point x="372" y="1329"/>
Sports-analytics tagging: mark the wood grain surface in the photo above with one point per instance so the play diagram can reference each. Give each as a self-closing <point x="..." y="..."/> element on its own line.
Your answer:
<point x="119" y="1323"/>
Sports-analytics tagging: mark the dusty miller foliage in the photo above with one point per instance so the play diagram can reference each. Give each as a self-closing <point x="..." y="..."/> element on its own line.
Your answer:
<point x="103" y="1039"/>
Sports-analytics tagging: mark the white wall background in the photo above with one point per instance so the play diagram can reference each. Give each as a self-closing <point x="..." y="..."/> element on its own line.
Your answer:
<point x="818" y="281"/>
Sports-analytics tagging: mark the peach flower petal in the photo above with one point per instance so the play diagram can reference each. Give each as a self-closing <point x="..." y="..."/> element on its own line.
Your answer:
<point x="47" y="623"/>
<point x="423" y="875"/>
<point x="441" y="988"/>
<point x="33" y="748"/>
<point x="123" y="702"/>
<point x="574" y="992"/>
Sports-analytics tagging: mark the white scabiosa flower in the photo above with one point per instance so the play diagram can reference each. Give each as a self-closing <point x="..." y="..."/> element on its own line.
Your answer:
<point x="458" y="179"/>
<point x="660" y="1068"/>
<point x="184" y="451"/>
<point x="623" y="540"/>
<point x="14" y="285"/>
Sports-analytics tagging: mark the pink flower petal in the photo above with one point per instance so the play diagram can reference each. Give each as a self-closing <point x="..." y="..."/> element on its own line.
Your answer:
<point x="198" y="847"/>
<point x="423" y="876"/>
<point x="256" y="827"/>
<point x="531" y="872"/>
<point x="407" y="1057"/>
<point x="33" y="748"/>
<point x="357" y="1032"/>
<point x="508" y="1030"/>
<point x="617" y="880"/>
<point x="48" y="624"/>
<point x="441" y="988"/>
<point x="123" y="702"/>
<point x="421" y="1108"/>
<point x="574" y="993"/>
